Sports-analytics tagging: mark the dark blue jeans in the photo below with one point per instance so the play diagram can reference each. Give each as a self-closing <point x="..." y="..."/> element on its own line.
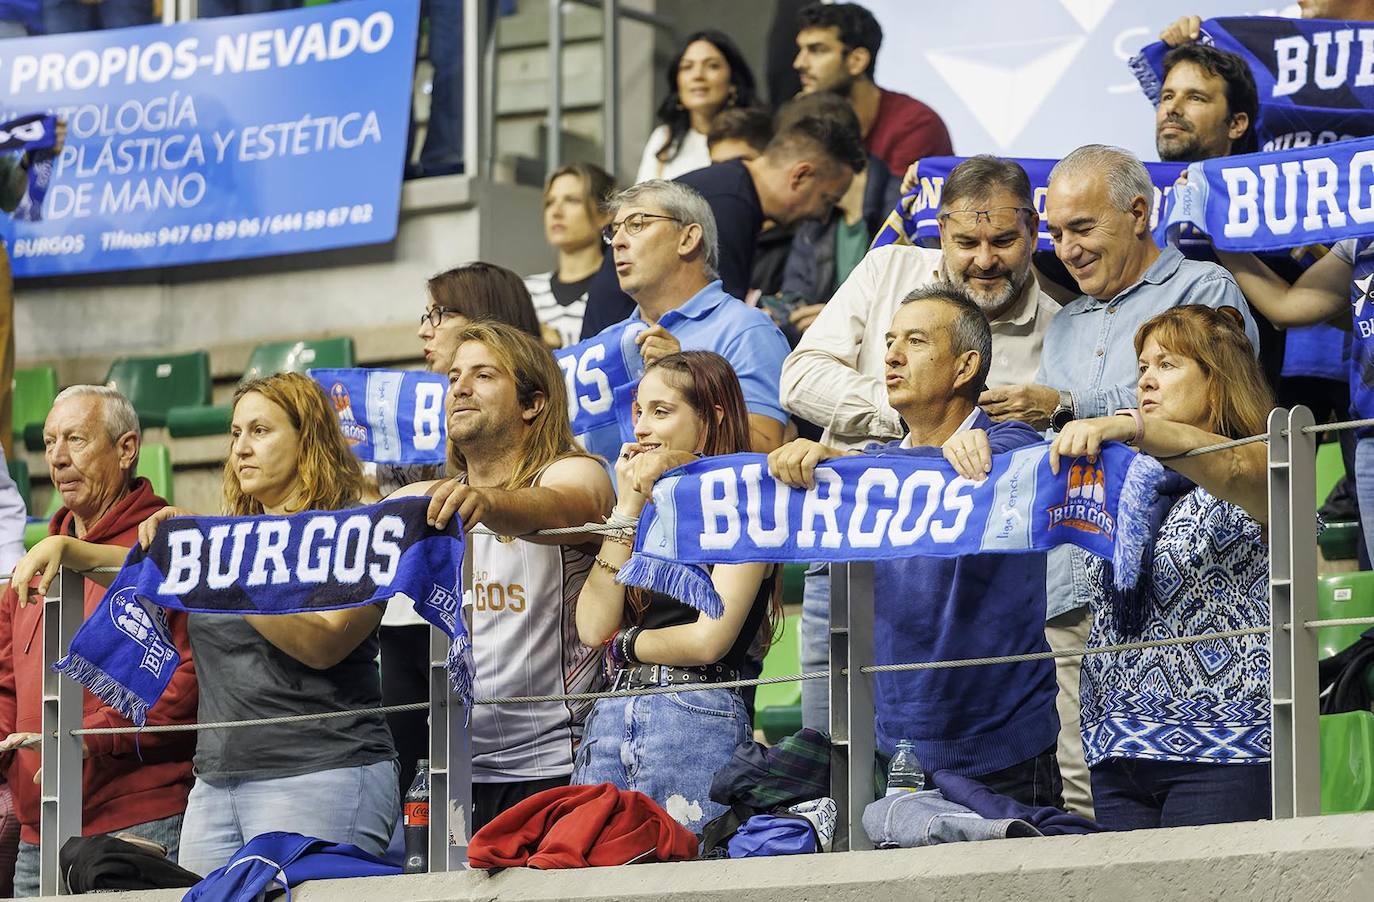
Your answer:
<point x="64" y="16"/>
<point x="1035" y="782"/>
<point x="1137" y="793"/>
<point x="442" y="152"/>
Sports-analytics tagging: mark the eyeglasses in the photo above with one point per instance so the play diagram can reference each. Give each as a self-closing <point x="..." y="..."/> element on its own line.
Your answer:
<point x="435" y="315"/>
<point x="997" y="217"/>
<point x="634" y="224"/>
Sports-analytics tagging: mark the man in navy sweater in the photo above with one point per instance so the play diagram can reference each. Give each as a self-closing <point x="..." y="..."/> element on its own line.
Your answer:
<point x="996" y="724"/>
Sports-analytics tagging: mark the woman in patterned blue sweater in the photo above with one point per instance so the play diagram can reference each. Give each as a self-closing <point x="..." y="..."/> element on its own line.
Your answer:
<point x="1179" y="734"/>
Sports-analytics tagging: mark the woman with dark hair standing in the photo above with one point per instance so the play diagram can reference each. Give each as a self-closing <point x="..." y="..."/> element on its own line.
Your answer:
<point x="1180" y="734"/>
<point x="688" y="405"/>
<point x="707" y="76"/>
<point x="573" y="220"/>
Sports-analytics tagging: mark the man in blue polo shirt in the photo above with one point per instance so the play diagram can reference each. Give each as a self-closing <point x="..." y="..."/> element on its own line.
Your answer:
<point x="663" y="243"/>
<point x="996" y="724"/>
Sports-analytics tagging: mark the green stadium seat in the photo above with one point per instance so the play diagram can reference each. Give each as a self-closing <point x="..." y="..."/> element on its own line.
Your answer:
<point x="155" y="462"/>
<point x="777" y="706"/>
<point x="266" y="359"/>
<point x="1347" y="762"/>
<point x="19" y="472"/>
<point x="1339" y="541"/>
<point x="1341" y="595"/>
<point x="34" y="390"/>
<point x="156" y="384"/>
<point x="793" y="580"/>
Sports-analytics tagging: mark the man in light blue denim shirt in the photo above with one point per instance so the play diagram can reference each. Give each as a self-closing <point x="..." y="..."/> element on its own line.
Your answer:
<point x="1098" y="209"/>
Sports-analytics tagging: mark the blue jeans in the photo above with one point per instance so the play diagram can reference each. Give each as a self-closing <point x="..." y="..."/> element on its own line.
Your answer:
<point x="442" y="152"/>
<point x="815" y="647"/>
<point x="357" y="805"/>
<point x="1139" y="793"/>
<point x="1364" y="488"/>
<point x="166" y="831"/>
<point x="668" y="747"/>
<point x="63" y="16"/>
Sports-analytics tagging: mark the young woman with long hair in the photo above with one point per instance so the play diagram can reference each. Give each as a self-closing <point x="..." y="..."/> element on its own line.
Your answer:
<point x="334" y="779"/>
<point x="573" y="218"/>
<point x="688" y="405"/>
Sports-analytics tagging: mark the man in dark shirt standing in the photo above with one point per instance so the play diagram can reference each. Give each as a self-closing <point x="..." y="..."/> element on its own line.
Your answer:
<point x="801" y="174"/>
<point x="837" y="47"/>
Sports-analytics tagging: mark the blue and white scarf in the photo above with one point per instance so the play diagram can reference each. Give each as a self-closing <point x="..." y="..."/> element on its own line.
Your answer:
<point x="311" y="561"/>
<point x="914" y="219"/>
<point x="389" y="416"/>
<point x="888" y="504"/>
<point x="1276" y="200"/>
<point x="36" y="135"/>
<point x="601" y="374"/>
<point x="1312" y="75"/>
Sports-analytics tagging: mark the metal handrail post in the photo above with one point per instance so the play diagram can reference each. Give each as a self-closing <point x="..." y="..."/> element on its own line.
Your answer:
<point x="851" y="700"/>
<point x="610" y="36"/>
<point x="60" y="795"/>
<point x="1293" y="600"/>
<point x="450" y="766"/>
<point x="554" y="139"/>
<point x="474" y="119"/>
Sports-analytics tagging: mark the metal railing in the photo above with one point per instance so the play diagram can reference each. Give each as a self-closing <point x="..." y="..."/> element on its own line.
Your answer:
<point x="1292" y="631"/>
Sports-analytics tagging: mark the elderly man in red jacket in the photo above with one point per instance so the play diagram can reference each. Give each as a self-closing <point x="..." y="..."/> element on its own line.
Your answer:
<point x="134" y="784"/>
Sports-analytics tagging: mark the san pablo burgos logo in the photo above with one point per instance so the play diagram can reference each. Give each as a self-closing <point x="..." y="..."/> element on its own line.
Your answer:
<point x="147" y="629"/>
<point x="355" y="432"/>
<point x="1084" y="506"/>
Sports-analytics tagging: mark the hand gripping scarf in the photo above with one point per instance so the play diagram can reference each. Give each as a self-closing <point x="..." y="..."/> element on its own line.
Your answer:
<point x="1315" y="77"/>
<point x="1279" y="199"/>
<point x="311" y="561"/>
<point x="914" y="219"/>
<point x="34" y="134"/>
<point x="601" y="374"/>
<point x="885" y="505"/>
<point x="389" y="416"/>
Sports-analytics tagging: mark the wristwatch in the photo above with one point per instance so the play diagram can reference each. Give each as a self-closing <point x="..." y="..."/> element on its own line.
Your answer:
<point x="1063" y="413"/>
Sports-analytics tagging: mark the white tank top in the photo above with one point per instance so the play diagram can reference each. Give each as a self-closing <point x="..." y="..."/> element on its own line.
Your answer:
<point x="524" y="642"/>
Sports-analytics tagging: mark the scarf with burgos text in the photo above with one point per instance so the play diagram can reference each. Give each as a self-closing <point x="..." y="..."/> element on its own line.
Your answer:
<point x="914" y="221"/>
<point x="1313" y="76"/>
<point x="35" y="135"/>
<point x="1281" y="199"/>
<point x="311" y="561"/>
<point x="886" y="504"/>
<point x="389" y="416"/>
<point x="601" y="374"/>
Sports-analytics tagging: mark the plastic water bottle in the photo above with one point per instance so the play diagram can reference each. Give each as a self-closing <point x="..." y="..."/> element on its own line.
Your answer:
<point x="904" y="773"/>
<point x="415" y="819"/>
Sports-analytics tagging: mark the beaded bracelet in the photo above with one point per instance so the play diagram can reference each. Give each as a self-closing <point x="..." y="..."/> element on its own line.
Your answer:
<point x="623" y="645"/>
<point x="610" y="568"/>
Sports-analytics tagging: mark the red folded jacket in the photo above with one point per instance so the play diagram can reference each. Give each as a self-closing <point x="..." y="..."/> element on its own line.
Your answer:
<point x="581" y="827"/>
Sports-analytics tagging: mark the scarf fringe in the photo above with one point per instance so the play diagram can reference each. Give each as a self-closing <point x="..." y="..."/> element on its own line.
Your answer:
<point x="1139" y="492"/>
<point x="1144" y="73"/>
<point x="461" y="669"/>
<point x="104" y="687"/>
<point x="687" y="583"/>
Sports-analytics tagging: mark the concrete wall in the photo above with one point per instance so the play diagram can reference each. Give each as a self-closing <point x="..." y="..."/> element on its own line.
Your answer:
<point x="1325" y="859"/>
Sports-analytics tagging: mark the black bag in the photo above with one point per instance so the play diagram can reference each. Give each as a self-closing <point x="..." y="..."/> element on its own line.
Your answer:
<point x="92" y="863"/>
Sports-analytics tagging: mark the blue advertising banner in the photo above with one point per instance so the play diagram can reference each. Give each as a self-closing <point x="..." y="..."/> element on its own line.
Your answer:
<point x="389" y="416"/>
<point x="221" y="139"/>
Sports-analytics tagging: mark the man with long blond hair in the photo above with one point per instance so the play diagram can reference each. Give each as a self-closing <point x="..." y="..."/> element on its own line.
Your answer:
<point x="520" y="471"/>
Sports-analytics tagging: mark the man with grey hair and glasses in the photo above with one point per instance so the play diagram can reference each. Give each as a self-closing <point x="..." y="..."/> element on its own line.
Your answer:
<point x="1098" y="208"/>
<point x="663" y="243"/>
<point x="130" y="783"/>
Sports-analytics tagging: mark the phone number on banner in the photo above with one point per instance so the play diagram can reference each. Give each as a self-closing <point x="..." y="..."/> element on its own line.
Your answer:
<point x="202" y="232"/>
